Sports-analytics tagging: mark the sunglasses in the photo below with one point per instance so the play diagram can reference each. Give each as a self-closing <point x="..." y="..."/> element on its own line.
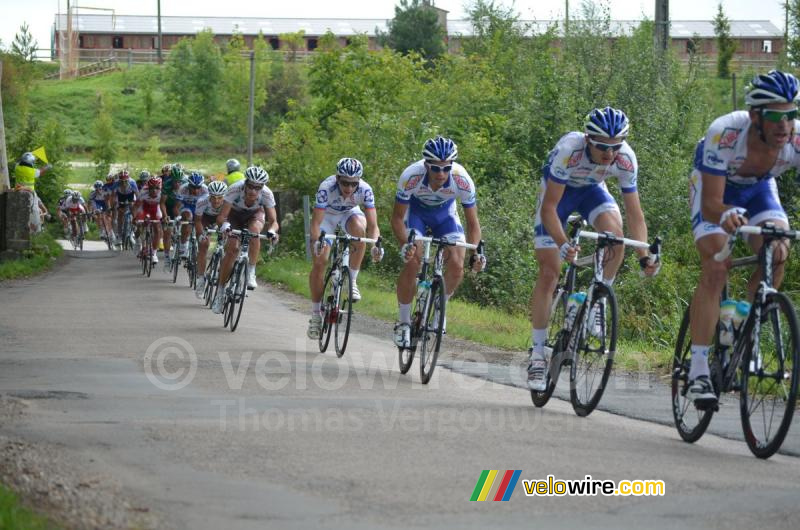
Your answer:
<point x="440" y="169"/>
<point x="777" y="116"/>
<point x="348" y="183"/>
<point x="257" y="187"/>
<point x="605" y="147"/>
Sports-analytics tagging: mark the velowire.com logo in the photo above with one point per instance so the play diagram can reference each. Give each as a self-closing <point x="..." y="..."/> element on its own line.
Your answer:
<point x="496" y="485"/>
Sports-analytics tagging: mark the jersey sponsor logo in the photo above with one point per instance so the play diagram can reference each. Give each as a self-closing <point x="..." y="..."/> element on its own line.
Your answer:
<point x="322" y="196"/>
<point x="369" y="196"/>
<point x="412" y="182"/>
<point x="712" y="158"/>
<point x="728" y="137"/>
<point x="574" y="158"/>
<point x="461" y="183"/>
<point x="624" y="162"/>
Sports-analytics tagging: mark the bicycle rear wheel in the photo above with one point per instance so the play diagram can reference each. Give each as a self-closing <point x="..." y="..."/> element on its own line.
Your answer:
<point x="556" y="341"/>
<point x="344" y="312"/>
<point x="329" y="310"/>
<point x="191" y="264"/>
<point x="769" y="385"/>
<point x="175" y="262"/>
<point x="147" y="250"/>
<point x="230" y="301"/>
<point x="594" y="337"/>
<point x="238" y="295"/>
<point x="431" y="330"/>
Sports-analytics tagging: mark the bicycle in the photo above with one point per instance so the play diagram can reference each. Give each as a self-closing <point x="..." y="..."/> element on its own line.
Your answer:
<point x="236" y="290"/>
<point x="175" y="255"/>
<point x="427" y="320"/>
<point x="337" y="305"/>
<point x="190" y="261"/>
<point x="765" y="379"/>
<point x="212" y="269"/>
<point x="77" y="231"/>
<point x="100" y="221"/>
<point x="586" y="340"/>
<point x="126" y="232"/>
<point x="147" y="251"/>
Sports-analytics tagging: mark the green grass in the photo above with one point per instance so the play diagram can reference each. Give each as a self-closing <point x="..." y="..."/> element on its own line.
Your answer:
<point x="42" y="255"/>
<point x="14" y="516"/>
<point x="469" y="321"/>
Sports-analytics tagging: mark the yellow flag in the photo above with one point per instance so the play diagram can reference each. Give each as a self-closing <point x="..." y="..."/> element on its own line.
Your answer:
<point x="40" y="154"/>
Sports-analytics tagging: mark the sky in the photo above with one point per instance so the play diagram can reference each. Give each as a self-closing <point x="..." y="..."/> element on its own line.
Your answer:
<point x="39" y="14"/>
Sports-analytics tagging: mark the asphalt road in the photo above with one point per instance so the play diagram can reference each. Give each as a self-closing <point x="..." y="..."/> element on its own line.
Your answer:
<point x="256" y="429"/>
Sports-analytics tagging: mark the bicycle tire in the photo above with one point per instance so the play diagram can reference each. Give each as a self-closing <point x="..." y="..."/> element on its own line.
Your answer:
<point x="175" y="263"/>
<point x="239" y="294"/>
<point x="590" y="360"/>
<point x="191" y="264"/>
<point x="148" y="250"/>
<point x="344" y="313"/>
<point x="228" y="295"/>
<point x="432" y="329"/>
<point x="760" y="369"/>
<point x="556" y="340"/>
<point x="406" y="355"/>
<point x="209" y="291"/>
<point x="326" y="310"/>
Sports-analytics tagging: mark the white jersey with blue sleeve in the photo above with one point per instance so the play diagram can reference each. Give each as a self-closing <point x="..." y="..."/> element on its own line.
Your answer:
<point x="413" y="188"/>
<point x="330" y="199"/>
<point x="569" y="163"/>
<point x="187" y="197"/>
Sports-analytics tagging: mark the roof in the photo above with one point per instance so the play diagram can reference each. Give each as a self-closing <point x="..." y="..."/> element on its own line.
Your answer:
<point x="138" y="24"/>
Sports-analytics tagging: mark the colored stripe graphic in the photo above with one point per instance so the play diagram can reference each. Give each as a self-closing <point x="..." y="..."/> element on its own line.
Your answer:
<point x="488" y="484"/>
<point x="479" y="486"/>
<point x="512" y="484"/>
<point x="503" y="485"/>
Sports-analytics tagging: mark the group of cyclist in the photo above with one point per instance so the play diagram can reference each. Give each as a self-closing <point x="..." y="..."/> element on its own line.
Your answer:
<point x="732" y="184"/>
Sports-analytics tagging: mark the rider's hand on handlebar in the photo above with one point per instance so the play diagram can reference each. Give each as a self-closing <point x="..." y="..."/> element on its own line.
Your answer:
<point x="477" y="262"/>
<point x="319" y="247"/>
<point x="650" y="265"/>
<point x="226" y="227"/>
<point x="407" y="252"/>
<point x="733" y="219"/>
<point x="377" y="254"/>
<point x="569" y="252"/>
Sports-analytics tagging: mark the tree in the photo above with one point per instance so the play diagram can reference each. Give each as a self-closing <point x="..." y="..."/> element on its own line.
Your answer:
<point x="726" y="46"/>
<point x="793" y="37"/>
<point x="415" y="27"/>
<point x="24" y="44"/>
<point x="105" y="145"/>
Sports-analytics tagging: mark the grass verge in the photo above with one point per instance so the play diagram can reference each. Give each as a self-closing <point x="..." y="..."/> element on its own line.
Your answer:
<point x="14" y="515"/>
<point x="465" y="320"/>
<point x="43" y="253"/>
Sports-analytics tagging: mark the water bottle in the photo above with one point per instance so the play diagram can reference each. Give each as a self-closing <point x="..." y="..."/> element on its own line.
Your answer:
<point x="574" y="302"/>
<point x="742" y="310"/>
<point x="726" y="311"/>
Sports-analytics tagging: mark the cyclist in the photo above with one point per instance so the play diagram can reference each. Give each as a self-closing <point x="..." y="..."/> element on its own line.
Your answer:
<point x="574" y="180"/>
<point x="98" y="205"/>
<point x="234" y="172"/>
<point x="205" y="215"/>
<point x="733" y="184"/>
<point x="188" y="195"/>
<point x="148" y="207"/>
<point x="141" y="182"/>
<point x="170" y="204"/>
<point x="337" y="204"/>
<point x="62" y="211"/>
<point x="126" y="192"/>
<point x="75" y="205"/>
<point x="248" y="204"/>
<point x="426" y="198"/>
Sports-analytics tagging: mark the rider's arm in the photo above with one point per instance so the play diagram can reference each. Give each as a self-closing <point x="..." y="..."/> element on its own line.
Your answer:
<point x="373" y="231"/>
<point x="163" y="205"/>
<point x="711" y="199"/>
<point x="398" y="222"/>
<point x="552" y="196"/>
<point x="223" y="213"/>
<point x="473" y="225"/>
<point x="316" y="220"/>
<point x="271" y="220"/>
<point x="636" y="223"/>
<point x="198" y="226"/>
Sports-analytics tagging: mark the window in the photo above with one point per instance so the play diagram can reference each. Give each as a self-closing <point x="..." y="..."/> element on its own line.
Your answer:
<point x="116" y="42"/>
<point x="766" y="46"/>
<point x="275" y="43"/>
<point x="311" y="44"/>
<point x="691" y="47"/>
<point x="80" y="41"/>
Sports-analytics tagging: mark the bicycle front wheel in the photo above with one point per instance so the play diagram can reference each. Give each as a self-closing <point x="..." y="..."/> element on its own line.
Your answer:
<point x="148" y="251"/>
<point x="431" y="331"/>
<point x="345" y="312"/>
<point x="690" y="421"/>
<point x="238" y="294"/>
<point x="556" y="341"/>
<point x="211" y="279"/>
<point x="191" y="264"/>
<point x="594" y="337"/>
<point x="328" y="311"/>
<point x="175" y="262"/>
<point x="769" y="383"/>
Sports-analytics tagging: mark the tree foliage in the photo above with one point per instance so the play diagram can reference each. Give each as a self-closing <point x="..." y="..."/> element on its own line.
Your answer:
<point x="24" y="45"/>
<point x="726" y="46"/>
<point x="105" y="148"/>
<point x="414" y="28"/>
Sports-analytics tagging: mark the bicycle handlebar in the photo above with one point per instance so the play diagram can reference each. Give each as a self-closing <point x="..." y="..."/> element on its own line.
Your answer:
<point x="769" y="229"/>
<point x="269" y="235"/>
<point x="412" y="237"/>
<point x="333" y="237"/>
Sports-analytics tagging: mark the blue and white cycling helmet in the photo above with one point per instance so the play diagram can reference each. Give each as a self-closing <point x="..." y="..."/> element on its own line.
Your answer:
<point x="349" y="167"/>
<point x="256" y="175"/>
<point x="440" y="148"/>
<point x="98" y="184"/>
<point x="195" y="179"/>
<point x="607" y="123"/>
<point x="217" y="188"/>
<point x="773" y="87"/>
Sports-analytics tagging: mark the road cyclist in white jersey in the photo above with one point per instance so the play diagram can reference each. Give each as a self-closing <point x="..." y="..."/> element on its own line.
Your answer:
<point x="98" y="206"/>
<point x="426" y="200"/>
<point x="205" y="216"/>
<point x="574" y="180"/>
<point x="249" y="204"/>
<point x="188" y="195"/>
<point x="338" y="202"/>
<point x="733" y="184"/>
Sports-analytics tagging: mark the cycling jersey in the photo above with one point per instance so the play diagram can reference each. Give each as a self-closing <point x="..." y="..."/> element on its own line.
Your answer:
<point x="569" y="163"/>
<point x="236" y="195"/>
<point x="98" y="199"/>
<point x="188" y="196"/>
<point x="150" y="204"/>
<point x="72" y="206"/>
<point x="330" y="199"/>
<point x="204" y="207"/>
<point x="125" y="194"/>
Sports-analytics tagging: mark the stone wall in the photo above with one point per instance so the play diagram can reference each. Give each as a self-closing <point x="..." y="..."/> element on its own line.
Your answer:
<point x="15" y="208"/>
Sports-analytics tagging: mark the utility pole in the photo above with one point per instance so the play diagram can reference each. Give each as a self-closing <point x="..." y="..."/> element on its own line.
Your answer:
<point x="566" y="16"/>
<point x="662" y="26"/>
<point x="252" y="108"/>
<point x="160" y="59"/>
<point x="5" y="182"/>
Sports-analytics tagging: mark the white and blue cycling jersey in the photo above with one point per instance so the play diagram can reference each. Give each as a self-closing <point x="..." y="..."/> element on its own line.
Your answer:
<point x="98" y="199"/>
<point x="126" y="191"/>
<point x="186" y="195"/>
<point x="722" y="152"/>
<point x="338" y="208"/>
<point x="435" y="209"/>
<point x="585" y="190"/>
